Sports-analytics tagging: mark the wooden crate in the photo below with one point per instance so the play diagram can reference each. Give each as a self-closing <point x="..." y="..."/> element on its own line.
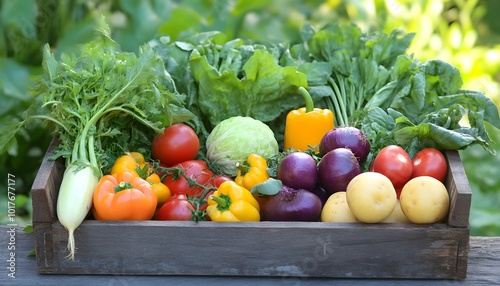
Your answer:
<point x="300" y="249"/>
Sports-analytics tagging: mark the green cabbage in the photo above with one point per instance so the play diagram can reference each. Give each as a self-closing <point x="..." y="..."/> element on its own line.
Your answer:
<point x="234" y="139"/>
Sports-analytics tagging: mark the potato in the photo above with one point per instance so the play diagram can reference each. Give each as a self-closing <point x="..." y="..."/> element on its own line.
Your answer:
<point x="371" y="197"/>
<point x="424" y="200"/>
<point x="336" y="209"/>
<point x="397" y="215"/>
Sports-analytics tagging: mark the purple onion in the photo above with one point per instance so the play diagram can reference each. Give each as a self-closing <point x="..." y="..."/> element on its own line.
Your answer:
<point x="336" y="170"/>
<point x="293" y="205"/>
<point x="321" y="193"/>
<point x="298" y="170"/>
<point x="346" y="137"/>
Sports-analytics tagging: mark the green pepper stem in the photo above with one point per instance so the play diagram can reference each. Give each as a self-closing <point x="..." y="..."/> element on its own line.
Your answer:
<point x="223" y="202"/>
<point x="307" y="98"/>
<point x="220" y="201"/>
<point x="122" y="186"/>
<point x="244" y="167"/>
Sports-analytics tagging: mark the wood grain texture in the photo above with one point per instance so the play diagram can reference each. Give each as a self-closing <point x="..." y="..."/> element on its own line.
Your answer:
<point x="46" y="186"/>
<point x="343" y="250"/>
<point x="483" y="265"/>
<point x="459" y="190"/>
<point x="274" y="249"/>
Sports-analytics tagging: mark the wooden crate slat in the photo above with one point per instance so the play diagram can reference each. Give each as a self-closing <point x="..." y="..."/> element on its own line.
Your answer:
<point x="46" y="186"/>
<point x="261" y="249"/>
<point x="459" y="190"/>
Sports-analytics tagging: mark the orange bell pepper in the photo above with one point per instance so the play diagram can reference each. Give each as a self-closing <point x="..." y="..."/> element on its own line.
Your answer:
<point x="124" y="196"/>
<point x="134" y="162"/>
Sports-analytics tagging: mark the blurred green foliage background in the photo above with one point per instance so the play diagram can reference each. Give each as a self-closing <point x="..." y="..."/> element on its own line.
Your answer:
<point x="464" y="33"/>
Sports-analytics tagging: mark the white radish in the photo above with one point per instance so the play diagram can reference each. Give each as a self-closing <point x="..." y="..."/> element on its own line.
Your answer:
<point x="75" y="199"/>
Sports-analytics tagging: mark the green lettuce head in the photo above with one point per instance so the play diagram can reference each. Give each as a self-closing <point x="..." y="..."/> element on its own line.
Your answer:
<point x="234" y="139"/>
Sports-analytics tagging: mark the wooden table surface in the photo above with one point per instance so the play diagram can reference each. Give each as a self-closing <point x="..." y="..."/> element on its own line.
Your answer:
<point x="483" y="269"/>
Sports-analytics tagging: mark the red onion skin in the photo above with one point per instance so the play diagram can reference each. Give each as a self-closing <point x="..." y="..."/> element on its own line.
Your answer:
<point x="298" y="170"/>
<point x="321" y="193"/>
<point x="346" y="137"/>
<point x="293" y="205"/>
<point x="336" y="170"/>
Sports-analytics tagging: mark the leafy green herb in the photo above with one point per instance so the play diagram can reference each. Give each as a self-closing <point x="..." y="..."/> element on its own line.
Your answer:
<point x="353" y="67"/>
<point x="371" y="83"/>
<point x="105" y="94"/>
<point x="431" y="113"/>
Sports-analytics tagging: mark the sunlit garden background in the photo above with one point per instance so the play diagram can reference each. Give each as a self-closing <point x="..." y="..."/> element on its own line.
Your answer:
<point x="464" y="33"/>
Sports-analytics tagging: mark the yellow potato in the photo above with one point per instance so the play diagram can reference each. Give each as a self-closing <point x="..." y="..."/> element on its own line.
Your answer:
<point x="397" y="215"/>
<point x="371" y="197"/>
<point x="336" y="209"/>
<point x="424" y="200"/>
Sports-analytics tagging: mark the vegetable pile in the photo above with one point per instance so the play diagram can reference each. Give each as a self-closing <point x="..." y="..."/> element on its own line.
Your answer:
<point x="342" y="126"/>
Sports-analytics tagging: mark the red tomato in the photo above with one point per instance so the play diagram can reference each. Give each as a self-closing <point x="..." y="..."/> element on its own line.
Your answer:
<point x="430" y="162"/>
<point x="175" y="208"/>
<point x="177" y="144"/>
<point x="196" y="170"/>
<point x="217" y="180"/>
<point x="395" y="163"/>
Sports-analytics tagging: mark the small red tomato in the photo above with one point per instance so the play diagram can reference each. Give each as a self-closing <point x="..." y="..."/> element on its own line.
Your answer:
<point x="177" y="144"/>
<point x="395" y="163"/>
<point x="217" y="180"/>
<point x="196" y="170"/>
<point x="175" y="208"/>
<point x="430" y="162"/>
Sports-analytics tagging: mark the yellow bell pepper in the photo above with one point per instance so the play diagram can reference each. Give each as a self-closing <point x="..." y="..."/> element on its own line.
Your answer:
<point x="251" y="172"/>
<point x="131" y="162"/>
<point x="306" y="126"/>
<point x="134" y="163"/>
<point x="231" y="203"/>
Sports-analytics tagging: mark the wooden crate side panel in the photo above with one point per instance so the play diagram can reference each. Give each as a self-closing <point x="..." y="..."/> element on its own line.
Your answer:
<point x="463" y="255"/>
<point x="459" y="190"/>
<point x="261" y="249"/>
<point x="44" y="247"/>
<point x="46" y="187"/>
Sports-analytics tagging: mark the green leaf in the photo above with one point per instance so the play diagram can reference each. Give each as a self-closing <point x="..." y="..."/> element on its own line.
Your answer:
<point x="244" y="6"/>
<point x="49" y="63"/>
<point x="326" y="42"/>
<point x="440" y="137"/>
<point x="475" y="102"/>
<point x="269" y="187"/>
<point x="18" y="22"/>
<point x="264" y="92"/>
<point x="13" y="79"/>
<point x="385" y="49"/>
<point x="8" y="131"/>
<point x="441" y="78"/>
<point x="28" y="228"/>
<point x="317" y="72"/>
<point x="143" y="18"/>
<point x="177" y="23"/>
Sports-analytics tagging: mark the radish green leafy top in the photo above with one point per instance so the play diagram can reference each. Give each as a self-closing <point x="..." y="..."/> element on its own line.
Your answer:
<point x="103" y="101"/>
